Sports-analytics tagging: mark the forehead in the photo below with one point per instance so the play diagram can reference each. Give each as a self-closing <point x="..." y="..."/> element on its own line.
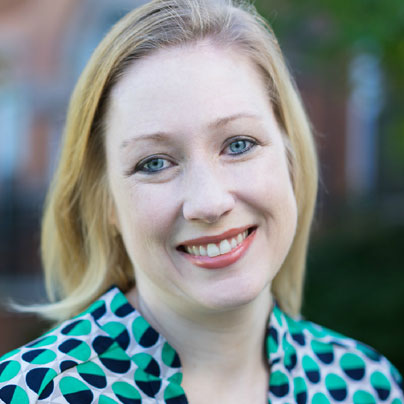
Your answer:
<point x="186" y="85"/>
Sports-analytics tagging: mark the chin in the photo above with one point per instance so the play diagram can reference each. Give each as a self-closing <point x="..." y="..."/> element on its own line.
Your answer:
<point x="228" y="297"/>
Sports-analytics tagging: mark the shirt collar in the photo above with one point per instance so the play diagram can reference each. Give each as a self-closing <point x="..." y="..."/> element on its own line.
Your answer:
<point x="129" y="329"/>
<point x="124" y="324"/>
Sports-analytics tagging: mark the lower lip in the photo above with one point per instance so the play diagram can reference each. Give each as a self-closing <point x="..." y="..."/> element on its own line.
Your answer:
<point x="222" y="261"/>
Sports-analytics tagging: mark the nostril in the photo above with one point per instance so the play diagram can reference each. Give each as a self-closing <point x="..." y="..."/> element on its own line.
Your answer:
<point x="207" y="204"/>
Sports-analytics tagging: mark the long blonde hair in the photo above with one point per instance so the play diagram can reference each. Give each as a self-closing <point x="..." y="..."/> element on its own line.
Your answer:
<point x="82" y="255"/>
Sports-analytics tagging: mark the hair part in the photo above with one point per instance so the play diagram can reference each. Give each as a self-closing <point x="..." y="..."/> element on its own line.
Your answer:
<point x="82" y="255"/>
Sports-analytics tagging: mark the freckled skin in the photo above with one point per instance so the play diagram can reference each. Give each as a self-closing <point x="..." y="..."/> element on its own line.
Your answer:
<point x="202" y="189"/>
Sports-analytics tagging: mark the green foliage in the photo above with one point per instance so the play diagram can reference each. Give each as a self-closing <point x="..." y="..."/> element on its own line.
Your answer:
<point x="355" y="284"/>
<point x="339" y="24"/>
<point x="320" y="36"/>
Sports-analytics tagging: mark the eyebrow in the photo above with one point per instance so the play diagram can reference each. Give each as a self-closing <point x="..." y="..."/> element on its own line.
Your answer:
<point x="157" y="137"/>
<point x="161" y="136"/>
<point x="224" y="121"/>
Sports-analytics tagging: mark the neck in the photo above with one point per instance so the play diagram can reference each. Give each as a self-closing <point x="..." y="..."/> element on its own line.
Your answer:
<point x="216" y="348"/>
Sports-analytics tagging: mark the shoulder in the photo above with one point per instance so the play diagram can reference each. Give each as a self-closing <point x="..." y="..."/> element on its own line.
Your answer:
<point x="334" y="366"/>
<point x="27" y="374"/>
<point x="109" y="353"/>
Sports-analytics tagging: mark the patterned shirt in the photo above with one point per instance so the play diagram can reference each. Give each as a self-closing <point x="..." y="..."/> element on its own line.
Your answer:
<point x="110" y="354"/>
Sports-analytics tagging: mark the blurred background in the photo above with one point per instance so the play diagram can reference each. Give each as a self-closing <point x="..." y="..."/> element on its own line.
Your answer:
<point x="348" y="62"/>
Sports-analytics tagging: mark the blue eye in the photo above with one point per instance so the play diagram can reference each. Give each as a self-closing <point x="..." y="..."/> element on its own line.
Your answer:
<point x="153" y="165"/>
<point x="240" y="146"/>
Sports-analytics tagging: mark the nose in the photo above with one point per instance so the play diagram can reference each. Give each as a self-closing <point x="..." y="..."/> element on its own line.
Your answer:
<point x="207" y="195"/>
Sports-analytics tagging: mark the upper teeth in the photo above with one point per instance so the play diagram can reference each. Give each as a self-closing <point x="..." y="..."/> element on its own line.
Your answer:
<point x="215" y="249"/>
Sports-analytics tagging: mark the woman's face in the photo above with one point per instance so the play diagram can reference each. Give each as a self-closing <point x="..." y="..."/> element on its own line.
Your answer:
<point x="198" y="174"/>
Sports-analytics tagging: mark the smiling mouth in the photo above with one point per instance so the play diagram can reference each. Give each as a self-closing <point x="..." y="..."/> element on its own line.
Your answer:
<point x="220" y="253"/>
<point x="219" y="248"/>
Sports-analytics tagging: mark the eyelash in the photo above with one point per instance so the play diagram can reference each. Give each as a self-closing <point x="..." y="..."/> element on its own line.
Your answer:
<point x="252" y="143"/>
<point x="141" y="165"/>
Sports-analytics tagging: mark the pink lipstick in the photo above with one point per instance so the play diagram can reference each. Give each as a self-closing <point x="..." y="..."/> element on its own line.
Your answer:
<point x="214" y="252"/>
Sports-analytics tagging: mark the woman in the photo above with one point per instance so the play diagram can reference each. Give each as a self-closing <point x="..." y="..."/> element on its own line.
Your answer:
<point x="176" y="228"/>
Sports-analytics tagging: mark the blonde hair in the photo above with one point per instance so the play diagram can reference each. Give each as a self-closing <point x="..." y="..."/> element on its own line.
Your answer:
<point x="82" y="255"/>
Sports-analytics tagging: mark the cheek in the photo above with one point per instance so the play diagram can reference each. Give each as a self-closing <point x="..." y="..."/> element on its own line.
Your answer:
<point x="269" y="193"/>
<point x="146" y="214"/>
<point x="266" y="182"/>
